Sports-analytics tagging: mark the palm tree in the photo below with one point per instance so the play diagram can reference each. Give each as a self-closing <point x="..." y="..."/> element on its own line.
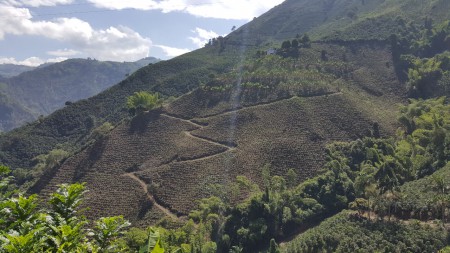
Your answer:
<point x="371" y="193"/>
<point x="387" y="177"/>
<point x="441" y="199"/>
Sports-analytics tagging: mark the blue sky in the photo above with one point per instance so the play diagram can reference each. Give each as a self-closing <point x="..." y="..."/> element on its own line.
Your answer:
<point x="36" y="31"/>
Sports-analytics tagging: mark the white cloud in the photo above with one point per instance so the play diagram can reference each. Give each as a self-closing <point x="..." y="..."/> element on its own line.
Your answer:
<point x="224" y="9"/>
<point x="129" y="4"/>
<point x="63" y="52"/>
<point x="173" y="51"/>
<point x="115" y="43"/>
<point x="202" y="36"/>
<point x="36" y="3"/>
<point x="32" y="61"/>
<point x="231" y="9"/>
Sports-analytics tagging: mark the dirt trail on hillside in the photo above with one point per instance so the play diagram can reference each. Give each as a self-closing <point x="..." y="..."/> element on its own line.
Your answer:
<point x="150" y="197"/>
<point x="209" y="156"/>
<point x="393" y="218"/>
<point x="262" y="104"/>
<point x="228" y="147"/>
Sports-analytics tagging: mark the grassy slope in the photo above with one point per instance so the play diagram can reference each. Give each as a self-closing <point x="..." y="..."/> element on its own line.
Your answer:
<point x="177" y="76"/>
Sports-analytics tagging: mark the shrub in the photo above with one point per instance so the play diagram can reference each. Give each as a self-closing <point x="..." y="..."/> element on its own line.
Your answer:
<point x="143" y="101"/>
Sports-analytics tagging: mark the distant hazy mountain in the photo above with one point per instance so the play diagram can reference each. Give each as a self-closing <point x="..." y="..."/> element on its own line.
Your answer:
<point x="147" y="61"/>
<point x="10" y="70"/>
<point x="44" y="89"/>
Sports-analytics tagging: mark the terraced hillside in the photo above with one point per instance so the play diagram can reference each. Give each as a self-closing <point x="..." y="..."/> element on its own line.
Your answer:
<point x="157" y="163"/>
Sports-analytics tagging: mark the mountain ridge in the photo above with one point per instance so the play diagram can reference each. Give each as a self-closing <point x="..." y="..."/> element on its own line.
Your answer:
<point x="10" y="70"/>
<point x="44" y="89"/>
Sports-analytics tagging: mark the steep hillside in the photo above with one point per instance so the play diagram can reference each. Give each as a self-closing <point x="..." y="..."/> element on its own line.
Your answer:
<point x="348" y="232"/>
<point x="45" y="89"/>
<point x="238" y="109"/>
<point x="159" y="162"/>
<point x="340" y="19"/>
<point x="185" y="73"/>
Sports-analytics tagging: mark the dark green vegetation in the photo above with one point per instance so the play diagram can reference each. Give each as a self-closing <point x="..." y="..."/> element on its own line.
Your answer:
<point x="383" y="178"/>
<point x="339" y="20"/>
<point x="421" y="54"/>
<point x="12" y="113"/>
<point x="271" y="145"/>
<point x="347" y="232"/>
<point x="45" y="89"/>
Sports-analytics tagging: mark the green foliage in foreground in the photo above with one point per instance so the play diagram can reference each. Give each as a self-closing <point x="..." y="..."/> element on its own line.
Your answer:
<point x="347" y="232"/>
<point x="24" y="227"/>
<point x="62" y="228"/>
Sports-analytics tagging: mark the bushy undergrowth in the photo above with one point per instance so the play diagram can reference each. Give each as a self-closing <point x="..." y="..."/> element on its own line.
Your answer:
<point x="348" y="232"/>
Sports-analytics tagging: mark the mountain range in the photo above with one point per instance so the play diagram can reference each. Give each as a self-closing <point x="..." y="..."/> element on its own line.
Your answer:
<point x="10" y="70"/>
<point x="29" y="93"/>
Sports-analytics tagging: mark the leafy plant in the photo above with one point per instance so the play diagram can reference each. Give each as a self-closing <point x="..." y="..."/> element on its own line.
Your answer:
<point x="25" y="228"/>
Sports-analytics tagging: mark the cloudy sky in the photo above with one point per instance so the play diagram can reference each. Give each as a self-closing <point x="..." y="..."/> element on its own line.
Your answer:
<point x="37" y="31"/>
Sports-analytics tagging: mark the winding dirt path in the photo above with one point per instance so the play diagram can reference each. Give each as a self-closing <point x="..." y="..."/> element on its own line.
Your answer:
<point x="150" y="197"/>
<point x="189" y="134"/>
<point x="227" y="147"/>
<point x="263" y="104"/>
